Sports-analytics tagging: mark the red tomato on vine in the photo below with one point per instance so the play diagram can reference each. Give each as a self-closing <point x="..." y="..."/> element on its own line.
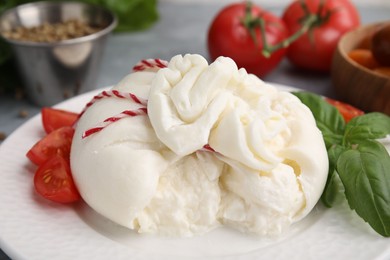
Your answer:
<point x="330" y="19"/>
<point x="236" y="33"/>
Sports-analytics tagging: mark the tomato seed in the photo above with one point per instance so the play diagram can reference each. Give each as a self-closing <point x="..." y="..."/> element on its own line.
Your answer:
<point x="47" y="178"/>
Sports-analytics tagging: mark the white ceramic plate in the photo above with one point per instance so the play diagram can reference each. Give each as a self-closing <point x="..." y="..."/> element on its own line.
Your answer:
<point x="34" y="228"/>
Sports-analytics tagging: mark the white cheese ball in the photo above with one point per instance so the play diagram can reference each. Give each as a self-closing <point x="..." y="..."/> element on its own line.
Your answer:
<point x="152" y="173"/>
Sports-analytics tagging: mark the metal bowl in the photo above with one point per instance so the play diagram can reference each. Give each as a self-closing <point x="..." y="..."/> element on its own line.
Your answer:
<point x="54" y="71"/>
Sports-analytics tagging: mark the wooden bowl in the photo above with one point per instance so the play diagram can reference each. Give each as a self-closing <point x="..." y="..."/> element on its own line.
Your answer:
<point x="355" y="84"/>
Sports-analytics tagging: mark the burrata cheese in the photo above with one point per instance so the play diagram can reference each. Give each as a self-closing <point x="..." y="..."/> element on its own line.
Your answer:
<point x="217" y="146"/>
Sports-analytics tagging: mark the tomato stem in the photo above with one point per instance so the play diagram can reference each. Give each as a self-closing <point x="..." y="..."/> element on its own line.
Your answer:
<point x="308" y="22"/>
<point x="250" y="22"/>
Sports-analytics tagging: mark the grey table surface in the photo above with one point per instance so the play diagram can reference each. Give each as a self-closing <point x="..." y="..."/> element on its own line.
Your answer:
<point x="181" y="29"/>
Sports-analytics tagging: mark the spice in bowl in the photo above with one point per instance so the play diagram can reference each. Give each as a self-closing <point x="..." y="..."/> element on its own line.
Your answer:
<point x="57" y="46"/>
<point x="51" y="32"/>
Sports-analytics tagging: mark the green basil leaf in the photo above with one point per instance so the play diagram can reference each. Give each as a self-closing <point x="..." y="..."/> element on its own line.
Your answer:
<point x="365" y="174"/>
<point x="132" y="15"/>
<point x="328" y="118"/>
<point x="331" y="191"/>
<point x="369" y="126"/>
<point x="330" y="138"/>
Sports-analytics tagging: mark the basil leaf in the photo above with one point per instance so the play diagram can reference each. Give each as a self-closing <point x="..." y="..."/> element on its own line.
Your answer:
<point x="365" y="174"/>
<point x="362" y="163"/>
<point x="332" y="187"/>
<point x="369" y="126"/>
<point x="327" y="117"/>
<point x="132" y="15"/>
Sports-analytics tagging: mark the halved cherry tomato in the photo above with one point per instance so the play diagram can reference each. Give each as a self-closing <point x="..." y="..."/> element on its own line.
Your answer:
<point x="347" y="111"/>
<point x="53" y="180"/>
<point x="57" y="142"/>
<point x="53" y="118"/>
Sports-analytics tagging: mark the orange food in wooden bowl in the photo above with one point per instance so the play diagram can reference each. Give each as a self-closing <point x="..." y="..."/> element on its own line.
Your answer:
<point x="364" y="57"/>
<point x="366" y="87"/>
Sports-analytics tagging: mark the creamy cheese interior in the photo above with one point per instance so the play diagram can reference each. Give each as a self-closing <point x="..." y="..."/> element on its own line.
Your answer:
<point x="151" y="173"/>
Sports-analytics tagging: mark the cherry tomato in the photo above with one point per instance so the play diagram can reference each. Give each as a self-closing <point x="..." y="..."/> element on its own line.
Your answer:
<point x="380" y="45"/>
<point x="53" y="180"/>
<point x="347" y="111"/>
<point x="229" y="35"/>
<point x="58" y="142"/>
<point x="53" y="118"/>
<point x="314" y="49"/>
